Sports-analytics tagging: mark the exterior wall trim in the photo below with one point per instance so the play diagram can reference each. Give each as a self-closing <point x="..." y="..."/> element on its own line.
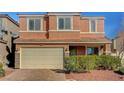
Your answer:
<point x="92" y="17"/>
<point x="92" y="32"/>
<point x="64" y="30"/>
<point x="28" y="15"/>
<point x="65" y="42"/>
<point x="64" y="13"/>
<point x="33" y="31"/>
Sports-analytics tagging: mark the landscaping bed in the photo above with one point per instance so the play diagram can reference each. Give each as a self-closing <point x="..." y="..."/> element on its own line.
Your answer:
<point x="4" y="71"/>
<point x="95" y="75"/>
<point x="93" y="67"/>
<point x="91" y="62"/>
<point x="7" y="72"/>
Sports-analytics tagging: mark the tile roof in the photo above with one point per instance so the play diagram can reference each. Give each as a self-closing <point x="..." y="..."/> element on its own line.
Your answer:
<point x="83" y="40"/>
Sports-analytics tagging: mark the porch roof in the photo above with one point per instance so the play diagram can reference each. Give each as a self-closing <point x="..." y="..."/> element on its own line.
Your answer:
<point x="83" y="40"/>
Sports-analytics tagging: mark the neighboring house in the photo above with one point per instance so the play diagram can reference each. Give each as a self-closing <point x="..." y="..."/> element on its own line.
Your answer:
<point x="3" y="51"/>
<point x="118" y="43"/>
<point x="8" y="31"/>
<point x="118" y="46"/>
<point x="45" y="39"/>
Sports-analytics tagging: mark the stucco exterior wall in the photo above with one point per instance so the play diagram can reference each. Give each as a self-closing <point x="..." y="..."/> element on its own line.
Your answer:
<point x="53" y="22"/>
<point x="85" y="22"/>
<point x="23" y="22"/>
<point x="10" y="27"/>
<point x="3" y="52"/>
<point x="64" y="35"/>
<point x="80" y="24"/>
<point x="92" y="35"/>
<point x="84" y="25"/>
<point x="33" y="35"/>
<point x="100" y="25"/>
<point x="107" y="48"/>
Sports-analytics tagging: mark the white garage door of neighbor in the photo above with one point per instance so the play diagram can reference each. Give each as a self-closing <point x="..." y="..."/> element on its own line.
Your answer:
<point x="41" y="58"/>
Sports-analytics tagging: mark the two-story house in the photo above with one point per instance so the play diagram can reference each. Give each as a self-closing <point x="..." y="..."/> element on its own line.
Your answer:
<point x="45" y="39"/>
<point x="8" y="31"/>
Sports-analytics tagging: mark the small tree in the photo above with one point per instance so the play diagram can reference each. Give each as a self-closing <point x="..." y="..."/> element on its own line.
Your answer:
<point x="2" y="66"/>
<point x="120" y="46"/>
<point x="121" y="51"/>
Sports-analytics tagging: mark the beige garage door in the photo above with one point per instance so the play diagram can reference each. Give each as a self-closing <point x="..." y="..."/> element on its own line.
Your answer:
<point x="41" y="58"/>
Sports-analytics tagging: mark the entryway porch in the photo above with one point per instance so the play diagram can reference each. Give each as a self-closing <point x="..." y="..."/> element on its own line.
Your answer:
<point x="86" y="49"/>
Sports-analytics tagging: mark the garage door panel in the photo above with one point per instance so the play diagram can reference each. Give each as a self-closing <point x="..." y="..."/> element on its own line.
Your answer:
<point x="43" y="67"/>
<point x="46" y="58"/>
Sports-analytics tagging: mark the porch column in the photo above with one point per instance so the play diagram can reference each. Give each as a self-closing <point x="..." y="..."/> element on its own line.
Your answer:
<point x="85" y="50"/>
<point x="107" y="49"/>
<point x="66" y="50"/>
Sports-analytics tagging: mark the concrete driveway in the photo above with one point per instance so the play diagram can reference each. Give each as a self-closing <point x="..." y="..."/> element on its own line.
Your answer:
<point x="34" y="75"/>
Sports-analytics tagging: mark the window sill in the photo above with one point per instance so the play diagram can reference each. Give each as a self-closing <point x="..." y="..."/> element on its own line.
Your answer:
<point x="33" y="31"/>
<point x="65" y="30"/>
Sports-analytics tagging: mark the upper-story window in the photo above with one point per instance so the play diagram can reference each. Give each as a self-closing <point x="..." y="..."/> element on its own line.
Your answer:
<point x="34" y="24"/>
<point x="93" y="25"/>
<point x="64" y="23"/>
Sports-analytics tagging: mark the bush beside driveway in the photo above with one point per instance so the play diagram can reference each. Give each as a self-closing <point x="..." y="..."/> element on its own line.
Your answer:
<point x="91" y="62"/>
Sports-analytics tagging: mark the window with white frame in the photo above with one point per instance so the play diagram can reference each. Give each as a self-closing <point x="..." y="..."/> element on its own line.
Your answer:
<point x="64" y="23"/>
<point x="34" y="24"/>
<point x="93" y="26"/>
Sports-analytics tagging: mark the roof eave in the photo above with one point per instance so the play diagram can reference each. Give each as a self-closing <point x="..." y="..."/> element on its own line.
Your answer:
<point x="65" y="42"/>
<point x="30" y="15"/>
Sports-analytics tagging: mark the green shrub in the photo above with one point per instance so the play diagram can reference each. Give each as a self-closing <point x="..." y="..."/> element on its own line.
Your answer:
<point x="91" y="62"/>
<point x="2" y="71"/>
<point x="121" y="70"/>
<point x="71" y="64"/>
<point x="1" y="65"/>
<point x="108" y="62"/>
<point x="80" y="63"/>
<point x="87" y="63"/>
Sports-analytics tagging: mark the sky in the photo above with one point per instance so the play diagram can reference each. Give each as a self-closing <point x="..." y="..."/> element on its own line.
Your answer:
<point x="113" y="20"/>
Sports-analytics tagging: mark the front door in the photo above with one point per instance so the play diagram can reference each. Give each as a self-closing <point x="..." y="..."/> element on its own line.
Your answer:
<point x="73" y="51"/>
